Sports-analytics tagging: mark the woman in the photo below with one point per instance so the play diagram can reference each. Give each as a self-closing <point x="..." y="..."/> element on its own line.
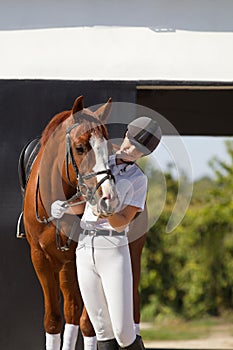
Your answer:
<point x="103" y="258"/>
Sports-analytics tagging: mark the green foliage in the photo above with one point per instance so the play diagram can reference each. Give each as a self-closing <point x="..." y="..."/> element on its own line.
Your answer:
<point x="168" y="328"/>
<point x="189" y="271"/>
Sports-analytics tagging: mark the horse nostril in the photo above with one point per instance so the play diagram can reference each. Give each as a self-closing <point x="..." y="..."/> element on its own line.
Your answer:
<point x="108" y="203"/>
<point x="108" y="196"/>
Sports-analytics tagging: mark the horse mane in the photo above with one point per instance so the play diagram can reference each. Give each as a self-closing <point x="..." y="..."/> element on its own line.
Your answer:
<point x="52" y="125"/>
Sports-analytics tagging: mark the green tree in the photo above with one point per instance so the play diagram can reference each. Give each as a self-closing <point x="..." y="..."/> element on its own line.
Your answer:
<point x="189" y="271"/>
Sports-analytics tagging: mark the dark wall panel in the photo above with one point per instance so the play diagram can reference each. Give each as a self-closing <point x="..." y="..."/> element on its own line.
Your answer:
<point x="193" y="112"/>
<point x="25" y="109"/>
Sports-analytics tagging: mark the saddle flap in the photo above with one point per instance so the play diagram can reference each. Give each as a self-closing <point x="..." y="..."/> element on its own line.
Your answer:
<point x="26" y="160"/>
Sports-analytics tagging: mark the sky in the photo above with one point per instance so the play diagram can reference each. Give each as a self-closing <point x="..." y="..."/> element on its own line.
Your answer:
<point x="199" y="150"/>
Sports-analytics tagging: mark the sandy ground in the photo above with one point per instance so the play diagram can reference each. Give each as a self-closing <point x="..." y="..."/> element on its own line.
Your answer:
<point x="220" y="338"/>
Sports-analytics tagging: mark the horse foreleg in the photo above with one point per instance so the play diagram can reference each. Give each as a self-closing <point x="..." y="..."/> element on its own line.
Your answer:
<point x="49" y="281"/>
<point x="74" y="311"/>
<point x="72" y="304"/>
<point x="89" y="337"/>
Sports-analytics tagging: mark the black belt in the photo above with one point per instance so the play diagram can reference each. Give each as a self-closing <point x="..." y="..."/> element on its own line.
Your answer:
<point x="103" y="233"/>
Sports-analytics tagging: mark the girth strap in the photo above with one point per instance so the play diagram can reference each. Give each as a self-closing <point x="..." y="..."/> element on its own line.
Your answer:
<point x="73" y="231"/>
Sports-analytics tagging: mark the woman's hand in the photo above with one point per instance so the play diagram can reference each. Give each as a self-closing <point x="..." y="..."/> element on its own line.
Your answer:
<point x="58" y="209"/>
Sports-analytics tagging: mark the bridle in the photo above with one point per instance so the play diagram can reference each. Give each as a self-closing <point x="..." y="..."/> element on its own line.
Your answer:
<point x="82" y="190"/>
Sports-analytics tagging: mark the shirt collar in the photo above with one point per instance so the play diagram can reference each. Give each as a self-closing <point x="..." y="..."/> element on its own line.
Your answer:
<point x="119" y="168"/>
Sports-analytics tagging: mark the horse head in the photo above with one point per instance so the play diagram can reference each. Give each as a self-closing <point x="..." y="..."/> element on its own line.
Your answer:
<point x="89" y="148"/>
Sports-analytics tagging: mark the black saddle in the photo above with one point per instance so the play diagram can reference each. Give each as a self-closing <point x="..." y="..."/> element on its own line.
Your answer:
<point x="26" y="160"/>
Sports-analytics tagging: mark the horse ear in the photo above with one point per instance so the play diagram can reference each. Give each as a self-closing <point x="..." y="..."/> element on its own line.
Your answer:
<point x="104" y="111"/>
<point x="78" y="105"/>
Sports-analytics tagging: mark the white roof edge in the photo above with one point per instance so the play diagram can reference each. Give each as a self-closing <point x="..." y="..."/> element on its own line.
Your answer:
<point x="116" y="53"/>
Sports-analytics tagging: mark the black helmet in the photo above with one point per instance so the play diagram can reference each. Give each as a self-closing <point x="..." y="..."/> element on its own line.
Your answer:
<point x="145" y="134"/>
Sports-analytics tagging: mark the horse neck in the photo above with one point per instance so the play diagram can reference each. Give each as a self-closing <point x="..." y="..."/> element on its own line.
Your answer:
<point x="51" y="168"/>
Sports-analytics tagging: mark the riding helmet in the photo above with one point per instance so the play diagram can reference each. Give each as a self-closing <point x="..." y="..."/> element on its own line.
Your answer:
<point x="145" y="134"/>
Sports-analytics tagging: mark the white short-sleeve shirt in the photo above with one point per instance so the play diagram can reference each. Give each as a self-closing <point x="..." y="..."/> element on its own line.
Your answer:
<point x="131" y="186"/>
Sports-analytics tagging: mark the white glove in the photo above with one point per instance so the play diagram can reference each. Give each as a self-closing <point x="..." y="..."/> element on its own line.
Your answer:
<point x="57" y="210"/>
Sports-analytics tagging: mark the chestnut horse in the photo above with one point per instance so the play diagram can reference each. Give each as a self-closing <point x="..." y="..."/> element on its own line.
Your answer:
<point x="65" y="168"/>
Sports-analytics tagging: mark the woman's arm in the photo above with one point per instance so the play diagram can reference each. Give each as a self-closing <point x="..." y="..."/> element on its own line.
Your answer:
<point x="76" y="210"/>
<point x="119" y="221"/>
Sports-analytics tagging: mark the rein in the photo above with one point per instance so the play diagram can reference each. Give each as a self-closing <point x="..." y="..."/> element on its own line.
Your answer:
<point x="81" y="190"/>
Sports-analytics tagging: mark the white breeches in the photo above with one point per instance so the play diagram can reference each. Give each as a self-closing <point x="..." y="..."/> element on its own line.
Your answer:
<point x="105" y="280"/>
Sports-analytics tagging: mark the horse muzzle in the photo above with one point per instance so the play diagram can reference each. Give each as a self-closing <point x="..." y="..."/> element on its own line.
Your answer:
<point x="107" y="206"/>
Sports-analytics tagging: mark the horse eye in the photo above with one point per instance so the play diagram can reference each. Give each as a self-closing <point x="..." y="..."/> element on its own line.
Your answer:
<point x="80" y="149"/>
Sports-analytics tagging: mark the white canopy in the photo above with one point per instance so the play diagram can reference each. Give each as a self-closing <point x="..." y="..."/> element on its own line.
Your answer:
<point x="108" y="40"/>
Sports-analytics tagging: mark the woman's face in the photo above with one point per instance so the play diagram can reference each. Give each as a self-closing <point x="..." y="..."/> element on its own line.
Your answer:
<point x="128" y="152"/>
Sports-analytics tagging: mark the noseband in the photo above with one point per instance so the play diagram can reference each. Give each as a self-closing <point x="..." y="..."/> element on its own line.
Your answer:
<point x="82" y="189"/>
